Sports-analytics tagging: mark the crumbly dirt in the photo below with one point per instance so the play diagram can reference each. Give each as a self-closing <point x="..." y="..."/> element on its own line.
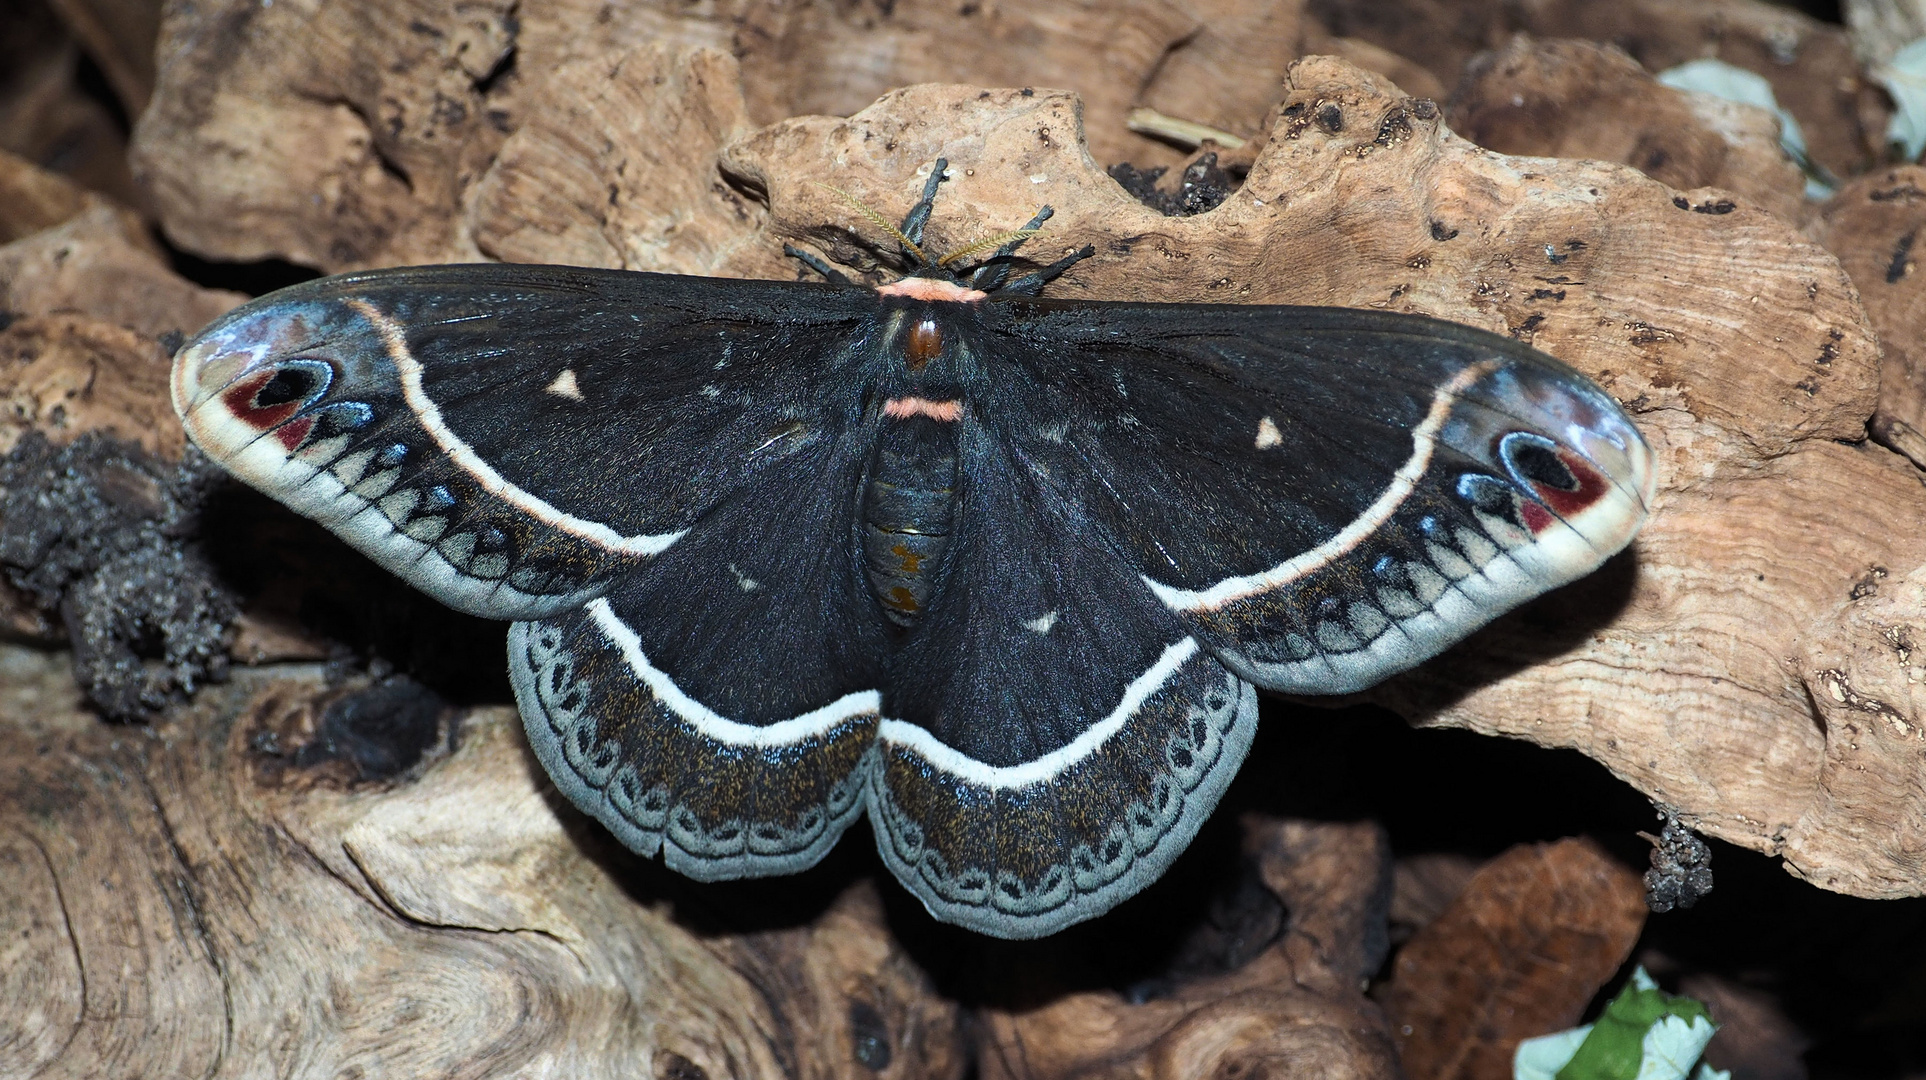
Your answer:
<point x="105" y="535"/>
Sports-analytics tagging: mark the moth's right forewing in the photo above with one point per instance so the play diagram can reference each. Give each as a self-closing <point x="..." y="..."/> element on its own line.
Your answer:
<point x="512" y="439"/>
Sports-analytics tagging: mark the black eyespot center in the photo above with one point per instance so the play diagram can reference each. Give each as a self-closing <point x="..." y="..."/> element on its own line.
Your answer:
<point x="288" y="384"/>
<point x="1534" y="460"/>
<point x="294" y="380"/>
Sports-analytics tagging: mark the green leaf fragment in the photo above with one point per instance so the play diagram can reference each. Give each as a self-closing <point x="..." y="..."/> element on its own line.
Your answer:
<point x="1642" y="1018"/>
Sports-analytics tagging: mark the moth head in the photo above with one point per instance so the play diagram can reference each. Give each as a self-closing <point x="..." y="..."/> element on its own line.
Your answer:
<point x="960" y="268"/>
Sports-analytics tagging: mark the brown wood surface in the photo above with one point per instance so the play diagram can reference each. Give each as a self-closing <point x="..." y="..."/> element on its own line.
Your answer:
<point x="179" y="900"/>
<point x="177" y="908"/>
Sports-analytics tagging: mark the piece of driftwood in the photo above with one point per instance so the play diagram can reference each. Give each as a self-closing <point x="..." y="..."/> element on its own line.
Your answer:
<point x="1809" y="63"/>
<point x="184" y="901"/>
<point x="32" y="199"/>
<point x="46" y="116"/>
<point x="1751" y="661"/>
<point x="61" y="374"/>
<point x="1579" y="99"/>
<point x="1873" y="224"/>
<point x="393" y="110"/>
<point x="102" y="265"/>
<point x="1754" y="1040"/>
<point x="1296" y="1001"/>
<point x="118" y="36"/>
<point x="90" y="306"/>
<point x="355" y="146"/>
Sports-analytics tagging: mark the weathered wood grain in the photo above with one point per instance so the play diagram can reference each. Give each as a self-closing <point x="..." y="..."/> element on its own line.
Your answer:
<point x="178" y="903"/>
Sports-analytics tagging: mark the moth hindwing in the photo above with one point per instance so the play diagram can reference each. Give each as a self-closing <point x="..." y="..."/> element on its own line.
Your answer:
<point x="1000" y="571"/>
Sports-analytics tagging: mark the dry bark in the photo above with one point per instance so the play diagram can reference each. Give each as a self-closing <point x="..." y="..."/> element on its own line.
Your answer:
<point x="1297" y="1004"/>
<point x="1752" y="661"/>
<point x="182" y="902"/>
<point x="1577" y="99"/>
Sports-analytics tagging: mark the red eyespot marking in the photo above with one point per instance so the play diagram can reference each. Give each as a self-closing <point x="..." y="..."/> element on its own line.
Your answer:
<point x="1591" y="488"/>
<point x="922" y="288"/>
<point x="925" y="343"/>
<point x="292" y="434"/>
<point x="948" y="412"/>
<point x="239" y="399"/>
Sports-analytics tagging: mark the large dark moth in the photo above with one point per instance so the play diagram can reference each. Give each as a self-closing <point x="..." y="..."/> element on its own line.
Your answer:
<point x="1000" y="571"/>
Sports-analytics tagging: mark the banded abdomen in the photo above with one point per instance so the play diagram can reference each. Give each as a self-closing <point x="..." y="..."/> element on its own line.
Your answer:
<point x="909" y="505"/>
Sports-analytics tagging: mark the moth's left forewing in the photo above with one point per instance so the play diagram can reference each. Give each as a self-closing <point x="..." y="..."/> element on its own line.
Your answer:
<point x="1326" y="496"/>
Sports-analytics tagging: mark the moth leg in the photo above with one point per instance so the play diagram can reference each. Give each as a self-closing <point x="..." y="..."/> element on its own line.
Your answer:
<point x="1032" y="283"/>
<point x="829" y="273"/>
<point x="919" y="214"/>
<point x="995" y="270"/>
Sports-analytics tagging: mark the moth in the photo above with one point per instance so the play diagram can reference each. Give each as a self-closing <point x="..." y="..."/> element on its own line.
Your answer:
<point x="1000" y="571"/>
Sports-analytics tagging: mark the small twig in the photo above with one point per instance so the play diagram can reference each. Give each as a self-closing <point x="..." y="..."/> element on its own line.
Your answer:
<point x="1185" y="133"/>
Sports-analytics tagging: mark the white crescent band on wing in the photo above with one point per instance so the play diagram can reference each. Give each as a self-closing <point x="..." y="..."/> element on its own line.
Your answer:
<point x="1424" y="439"/>
<point x="493" y="482"/>
<point x="706" y="720"/>
<point x="1003" y="777"/>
